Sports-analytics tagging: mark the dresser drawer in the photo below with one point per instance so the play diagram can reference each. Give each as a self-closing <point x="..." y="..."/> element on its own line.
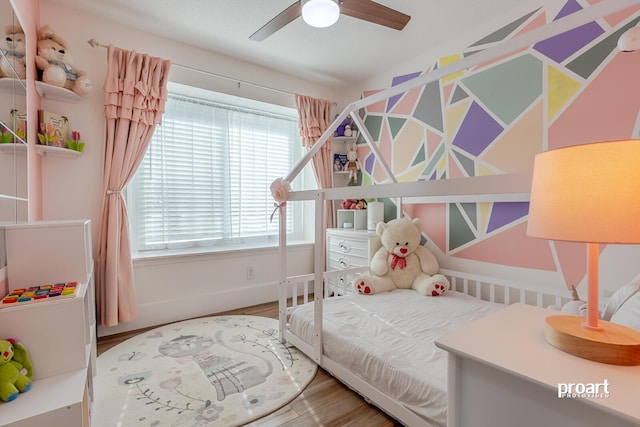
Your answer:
<point x="349" y="249"/>
<point x="346" y="246"/>
<point x="342" y="262"/>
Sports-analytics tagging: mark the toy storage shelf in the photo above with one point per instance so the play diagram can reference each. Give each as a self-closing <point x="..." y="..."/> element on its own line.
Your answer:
<point x="60" y="335"/>
<point x="54" y="401"/>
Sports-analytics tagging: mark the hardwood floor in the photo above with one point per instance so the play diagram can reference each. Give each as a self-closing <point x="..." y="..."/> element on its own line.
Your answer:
<point x="324" y="402"/>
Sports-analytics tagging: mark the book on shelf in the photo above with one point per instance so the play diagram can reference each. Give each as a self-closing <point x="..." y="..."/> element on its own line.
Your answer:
<point x="339" y="162"/>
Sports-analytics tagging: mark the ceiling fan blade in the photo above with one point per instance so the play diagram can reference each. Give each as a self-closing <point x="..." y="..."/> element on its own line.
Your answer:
<point x="371" y="11"/>
<point x="283" y="18"/>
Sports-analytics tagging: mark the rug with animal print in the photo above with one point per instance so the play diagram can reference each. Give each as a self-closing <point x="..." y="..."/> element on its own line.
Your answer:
<point x="212" y="371"/>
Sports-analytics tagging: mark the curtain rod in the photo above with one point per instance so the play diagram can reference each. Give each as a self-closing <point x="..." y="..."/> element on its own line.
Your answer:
<point x="95" y="43"/>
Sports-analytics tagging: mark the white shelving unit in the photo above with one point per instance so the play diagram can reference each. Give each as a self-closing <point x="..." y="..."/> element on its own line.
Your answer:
<point x="339" y="146"/>
<point x="60" y="335"/>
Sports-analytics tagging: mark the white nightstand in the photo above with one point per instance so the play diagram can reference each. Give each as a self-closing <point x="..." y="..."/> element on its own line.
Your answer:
<point x="347" y="249"/>
<point x="502" y="372"/>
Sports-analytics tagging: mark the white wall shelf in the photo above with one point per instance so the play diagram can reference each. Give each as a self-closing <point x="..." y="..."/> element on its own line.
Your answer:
<point x="46" y="150"/>
<point x="11" y="148"/>
<point x="14" y="86"/>
<point x="56" y="93"/>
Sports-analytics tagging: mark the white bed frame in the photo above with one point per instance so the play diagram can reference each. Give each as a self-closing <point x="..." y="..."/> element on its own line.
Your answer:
<point x="304" y="289"/>
<point x="503" y="188"/>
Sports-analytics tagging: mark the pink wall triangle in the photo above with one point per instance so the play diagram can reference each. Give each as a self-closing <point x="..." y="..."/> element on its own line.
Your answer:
<point x="433" y="217"/>
<point x="408" y="102"/>
<point x="378" y="107"/>
<point x="433" y="142"/>
<point x="514" y="248"/>
<point x="611" y="99"/>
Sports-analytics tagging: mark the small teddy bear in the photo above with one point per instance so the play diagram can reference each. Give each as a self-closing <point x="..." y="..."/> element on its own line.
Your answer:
<point x="55" y="62"/>
<point x="13" y="51"/>
<point x="15" y="370"/>
<point x="402" y="262"/>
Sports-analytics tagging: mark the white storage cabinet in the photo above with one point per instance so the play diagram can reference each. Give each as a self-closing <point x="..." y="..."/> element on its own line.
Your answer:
<point x="60" y="335"/>
<point x="347" y="249"/>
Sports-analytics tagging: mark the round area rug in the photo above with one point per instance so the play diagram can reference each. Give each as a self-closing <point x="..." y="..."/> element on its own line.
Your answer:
<point x="213" y="371"/>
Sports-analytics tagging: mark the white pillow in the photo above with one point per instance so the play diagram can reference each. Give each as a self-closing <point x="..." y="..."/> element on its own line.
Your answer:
<point x="629" y="312"/>
<point x="619" y="297"/>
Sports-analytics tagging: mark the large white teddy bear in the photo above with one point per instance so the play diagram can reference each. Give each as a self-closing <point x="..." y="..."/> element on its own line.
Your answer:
<point x="402" y="262"/>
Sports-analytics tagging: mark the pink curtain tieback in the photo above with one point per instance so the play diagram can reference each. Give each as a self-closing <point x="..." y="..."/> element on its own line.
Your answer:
<point x="110" y="192"/>
<point x="275" y="209"/>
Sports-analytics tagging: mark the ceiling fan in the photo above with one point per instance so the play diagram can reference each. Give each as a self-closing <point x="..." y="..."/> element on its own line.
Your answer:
<point x="366" y="10"/>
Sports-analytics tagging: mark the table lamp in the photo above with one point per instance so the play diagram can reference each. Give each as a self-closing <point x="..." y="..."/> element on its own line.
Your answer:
<point x="589" y="193"/>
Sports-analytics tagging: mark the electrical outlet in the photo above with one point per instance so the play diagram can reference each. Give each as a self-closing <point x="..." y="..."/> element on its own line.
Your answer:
<point x="250" y="273"/>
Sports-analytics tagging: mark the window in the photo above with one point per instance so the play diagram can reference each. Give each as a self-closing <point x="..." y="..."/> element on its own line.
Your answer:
<point x="204" y="180"/>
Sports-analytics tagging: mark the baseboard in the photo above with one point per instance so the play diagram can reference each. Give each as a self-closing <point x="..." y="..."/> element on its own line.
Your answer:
<point x="160" y="313"/>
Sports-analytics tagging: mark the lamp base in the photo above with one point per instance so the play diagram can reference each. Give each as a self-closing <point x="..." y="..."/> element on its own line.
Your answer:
<point x="612" y="343"/>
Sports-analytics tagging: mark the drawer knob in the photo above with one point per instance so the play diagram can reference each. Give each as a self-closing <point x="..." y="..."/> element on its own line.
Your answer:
<point x="343" y="263"/>
<point x="344" y="247"/>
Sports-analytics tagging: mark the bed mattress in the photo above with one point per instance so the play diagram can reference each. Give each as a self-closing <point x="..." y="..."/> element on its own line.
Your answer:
<point x="388" y="339"/>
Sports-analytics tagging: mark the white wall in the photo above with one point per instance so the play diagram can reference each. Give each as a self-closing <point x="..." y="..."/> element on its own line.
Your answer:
<point x="168" y="289"/>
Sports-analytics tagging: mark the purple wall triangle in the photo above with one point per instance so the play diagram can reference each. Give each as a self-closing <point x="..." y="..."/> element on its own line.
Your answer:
<point x="477" y="131"/>
<point x="505" y="212"/>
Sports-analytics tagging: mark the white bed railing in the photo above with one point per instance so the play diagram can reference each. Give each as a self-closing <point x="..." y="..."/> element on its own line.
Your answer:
<point x="301" y="289"/>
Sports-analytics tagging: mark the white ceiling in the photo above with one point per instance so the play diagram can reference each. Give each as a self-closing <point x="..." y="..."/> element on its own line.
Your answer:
<point x="350" y="51"/>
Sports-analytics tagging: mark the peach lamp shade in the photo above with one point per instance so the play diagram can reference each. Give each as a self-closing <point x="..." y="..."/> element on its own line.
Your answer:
<point x="587" y="193"/>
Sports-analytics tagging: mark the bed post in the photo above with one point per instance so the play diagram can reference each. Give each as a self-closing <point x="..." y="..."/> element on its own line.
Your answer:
<point x="318" y="282"/>
<point x="282" y="285"/>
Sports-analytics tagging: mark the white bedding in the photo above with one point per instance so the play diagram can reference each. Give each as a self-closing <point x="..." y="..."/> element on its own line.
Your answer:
<point x="388" y="339"/>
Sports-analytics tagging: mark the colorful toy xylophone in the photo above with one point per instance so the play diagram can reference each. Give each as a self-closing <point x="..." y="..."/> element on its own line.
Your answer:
<point x="40" y="293"/>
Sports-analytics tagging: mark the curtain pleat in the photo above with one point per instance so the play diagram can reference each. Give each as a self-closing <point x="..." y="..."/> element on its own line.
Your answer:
<point x="314" y="117"/>
<point x="135" y="94"/>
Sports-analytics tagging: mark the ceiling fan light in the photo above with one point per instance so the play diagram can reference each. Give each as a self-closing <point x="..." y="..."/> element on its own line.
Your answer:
<point x="320" y="13"/>
<point x="629" y="40"/>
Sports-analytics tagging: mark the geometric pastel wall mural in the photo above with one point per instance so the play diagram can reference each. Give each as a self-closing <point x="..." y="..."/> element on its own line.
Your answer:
<point x="494" y="118"/>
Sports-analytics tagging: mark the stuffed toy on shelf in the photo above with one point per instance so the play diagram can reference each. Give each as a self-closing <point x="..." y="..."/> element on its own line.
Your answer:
<point x="353" y="165"/>
<point x="12" y="44"/>
<point x="16" y="371"/>
<point x="56" y="63"/>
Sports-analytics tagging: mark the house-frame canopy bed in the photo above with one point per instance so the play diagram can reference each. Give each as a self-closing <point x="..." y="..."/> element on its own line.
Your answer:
<point x="383" y="346"/>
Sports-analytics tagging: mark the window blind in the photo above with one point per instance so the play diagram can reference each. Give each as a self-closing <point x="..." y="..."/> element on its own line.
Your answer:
<point x="205" y="178"/>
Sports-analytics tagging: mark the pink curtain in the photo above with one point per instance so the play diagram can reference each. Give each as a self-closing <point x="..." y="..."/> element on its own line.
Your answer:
<point x="314" y="118"/>
<point x="135" y="96"/>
